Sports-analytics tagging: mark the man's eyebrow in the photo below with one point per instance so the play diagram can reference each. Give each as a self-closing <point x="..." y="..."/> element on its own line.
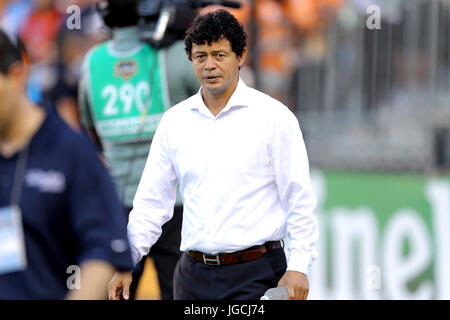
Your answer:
<point x="198" y="51"/>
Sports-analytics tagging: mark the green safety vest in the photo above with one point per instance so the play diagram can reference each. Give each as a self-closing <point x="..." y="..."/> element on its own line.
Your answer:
<point x="126" y="92"/>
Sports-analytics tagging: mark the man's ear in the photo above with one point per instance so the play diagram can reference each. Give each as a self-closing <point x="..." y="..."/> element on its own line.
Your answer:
<point x="18" y="74"/>
<point x="242" y="57"/>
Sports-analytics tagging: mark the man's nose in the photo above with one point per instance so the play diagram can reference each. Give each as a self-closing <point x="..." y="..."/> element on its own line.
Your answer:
<point x="209" y="64"/>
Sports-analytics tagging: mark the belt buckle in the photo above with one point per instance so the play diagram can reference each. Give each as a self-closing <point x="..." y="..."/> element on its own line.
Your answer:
<point x="216" y="259"/>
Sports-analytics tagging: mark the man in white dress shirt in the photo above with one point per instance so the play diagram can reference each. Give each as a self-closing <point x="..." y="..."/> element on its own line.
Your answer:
<point x="241" y="163"/>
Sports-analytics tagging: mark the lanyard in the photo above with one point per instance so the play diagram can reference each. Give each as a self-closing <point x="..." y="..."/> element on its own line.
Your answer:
<point x="19" y="176"/>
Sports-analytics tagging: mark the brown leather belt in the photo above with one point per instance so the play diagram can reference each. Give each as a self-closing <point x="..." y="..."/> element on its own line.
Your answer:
<point x="249" y="254"/>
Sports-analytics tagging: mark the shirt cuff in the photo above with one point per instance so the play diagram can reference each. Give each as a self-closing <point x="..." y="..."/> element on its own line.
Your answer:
<point x="299" y="262"/>
<point x="135" y="256"/>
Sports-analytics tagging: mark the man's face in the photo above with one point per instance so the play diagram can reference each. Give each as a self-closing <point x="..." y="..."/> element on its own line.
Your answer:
<point x="216" y="66"/>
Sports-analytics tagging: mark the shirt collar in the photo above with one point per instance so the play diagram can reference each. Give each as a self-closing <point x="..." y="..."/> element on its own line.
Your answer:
<point x="237" y="99"/>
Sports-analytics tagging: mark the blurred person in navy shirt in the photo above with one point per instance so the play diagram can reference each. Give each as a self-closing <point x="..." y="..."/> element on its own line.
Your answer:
<point x="59" y="211"/>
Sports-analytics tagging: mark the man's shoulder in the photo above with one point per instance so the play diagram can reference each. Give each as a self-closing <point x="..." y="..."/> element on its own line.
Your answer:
<point x="180" y="108"/>
<point x="107" y="48"/>
<point x="65" y="141"/>
<point x="266" y="103"/>
<point x="99" y="47"/>
<point x="90" y="55"/>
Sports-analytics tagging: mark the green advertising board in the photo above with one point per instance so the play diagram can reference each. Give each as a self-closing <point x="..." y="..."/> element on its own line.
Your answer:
<point x="382" y="236"/>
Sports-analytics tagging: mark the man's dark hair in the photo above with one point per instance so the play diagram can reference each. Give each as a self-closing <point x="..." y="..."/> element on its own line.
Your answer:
<point x="10" y="52"/>
<point x="214" y="26"/>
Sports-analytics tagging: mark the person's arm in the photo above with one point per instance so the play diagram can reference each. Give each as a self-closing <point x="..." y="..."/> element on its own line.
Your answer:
<point x="95" y="275"/>
<point x="155" y="196"/>
<point x="97" y="220"/>
<point x="291" y="167"/>
<point x="152" y="207"/>
<point x="86" y="120"/>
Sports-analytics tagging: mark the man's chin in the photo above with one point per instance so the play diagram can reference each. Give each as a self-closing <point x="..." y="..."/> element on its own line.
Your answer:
<point x="213" y="89"/>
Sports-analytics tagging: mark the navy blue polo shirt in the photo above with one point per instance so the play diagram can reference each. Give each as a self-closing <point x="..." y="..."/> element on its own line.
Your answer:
<point x="70" y="213"/>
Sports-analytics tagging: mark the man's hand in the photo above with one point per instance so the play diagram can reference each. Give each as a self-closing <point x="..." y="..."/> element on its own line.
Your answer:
<point x="296" y="283"/>
<point x="120" y="283"/>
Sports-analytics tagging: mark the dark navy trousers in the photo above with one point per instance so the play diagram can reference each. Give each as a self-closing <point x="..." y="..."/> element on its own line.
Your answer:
<point x="194" y="280"/>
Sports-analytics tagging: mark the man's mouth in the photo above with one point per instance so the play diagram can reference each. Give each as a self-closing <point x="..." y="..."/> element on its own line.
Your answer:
<point x="211" y="78"/>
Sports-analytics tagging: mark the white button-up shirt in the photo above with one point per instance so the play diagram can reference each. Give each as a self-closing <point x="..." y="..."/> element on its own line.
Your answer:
<point x="243" y="176"/>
